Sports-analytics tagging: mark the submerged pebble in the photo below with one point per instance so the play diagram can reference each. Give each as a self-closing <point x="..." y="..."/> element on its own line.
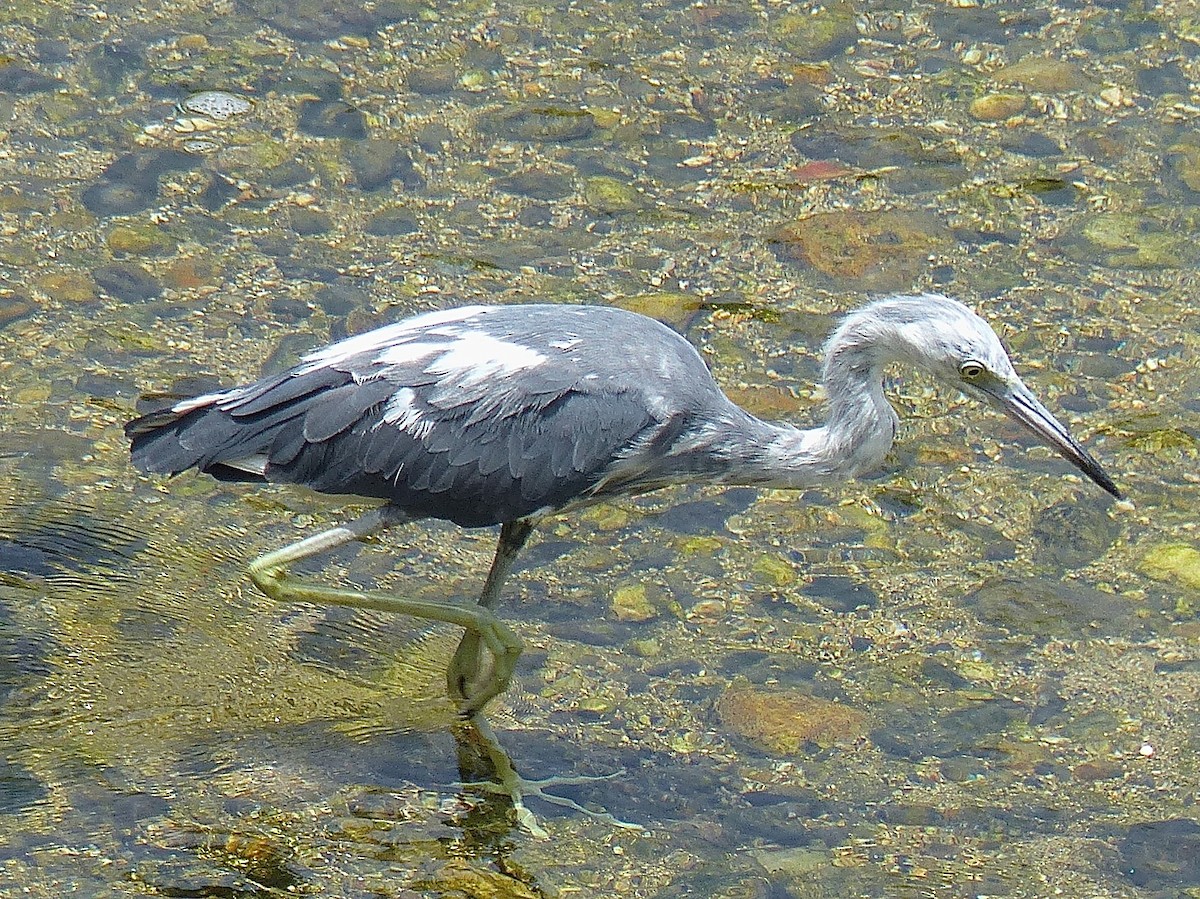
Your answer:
<point x="818" y="35"/>
<point x="138" y="239"/>
<point x="131" y="283"/>
<point x="392" y="222"/>
<point x="539" y="122"/>
<point x="437" y="78"/>
<point x="784" y="721"/>
<point x="15" y="306"/>
<point x="332" y="118"/>
<point x="309" y="221"/>
<point x="606" y="195"/>
<point x="881" y="251"/>
<point x="130" y="183"/>
<point x="377" y="162"/>
<point x="1161" y="856"/>
<point x="632" y="602"/>
<point x="219" y="105"/>
<point x="20" y="80"/>
<point x="1046" y="608"/>
<point x="538" y="184"/>
<point x="1068" y="535"/>
<point x="1173" y="561"/>
<point x="1183" y="161"/>
<point x="1041" y="73"/>
<point x="201" y="145"/>
<point x="1129" y="240"/>
<point x="996" y="107"/>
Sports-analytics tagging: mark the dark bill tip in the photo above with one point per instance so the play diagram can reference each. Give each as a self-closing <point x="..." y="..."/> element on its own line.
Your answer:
<point x="1025" y="408"/>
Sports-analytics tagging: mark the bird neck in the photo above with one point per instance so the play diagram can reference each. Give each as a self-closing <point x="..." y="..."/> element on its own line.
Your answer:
<point x="861" y="424"/>
<point x="855" y="438"/>
<point x="729" y="445"/>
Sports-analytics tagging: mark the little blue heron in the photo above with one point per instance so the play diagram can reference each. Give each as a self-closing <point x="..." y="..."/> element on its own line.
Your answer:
<point x="489" y="415"/>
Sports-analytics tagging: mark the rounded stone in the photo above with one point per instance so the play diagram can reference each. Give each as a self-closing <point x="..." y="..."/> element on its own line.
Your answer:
<point x="610" y="196"/>
<point x="439" y="78"/>
<point x="15" y="306"/>
<point x="820" y="34"/>
<point x="138" y="240"/>
<point x="541" y="122"/>
<point x="332" y="118"/>
<point x="996" y="107"/>
<point x="1069" y="535"/>
<point x="392" y="223"/>
<point x="127" y="282"/>
<point x="309" y="221"/>
<point x="1041" y="73"/>
<point x="216" y="104"/>
<point x="631" y="602"/>
<point x="379" y="161"/>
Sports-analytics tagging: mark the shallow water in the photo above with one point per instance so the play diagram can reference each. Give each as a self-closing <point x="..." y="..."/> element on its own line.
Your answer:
<point x="972" y="674"/>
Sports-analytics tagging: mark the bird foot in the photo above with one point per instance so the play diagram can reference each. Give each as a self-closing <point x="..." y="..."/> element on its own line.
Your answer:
<point x="476" y="736"/>
<point x="518" y="789"/>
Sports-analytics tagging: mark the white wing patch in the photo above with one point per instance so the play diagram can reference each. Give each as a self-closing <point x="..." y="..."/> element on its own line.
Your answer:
<point x="468" y="359"/>
<point x="198" y="402"/>
<point x="464" y="359"/>
<point x="256" y="464"/>
<point x="387" y="336"/>
<point x="401" y="412"/>
<point x="456" y="354"/>
<point x="409" y="353"/>
<point x="474" y="357"/>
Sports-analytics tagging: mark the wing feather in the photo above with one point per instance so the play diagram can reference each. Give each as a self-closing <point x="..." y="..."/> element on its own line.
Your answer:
<point x="477" y="418"/>
<point x="278" y="391"/>
<point x="341" y="407"/>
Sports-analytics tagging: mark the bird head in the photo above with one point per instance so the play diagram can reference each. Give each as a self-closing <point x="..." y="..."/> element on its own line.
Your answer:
<point x="945" y="338"/>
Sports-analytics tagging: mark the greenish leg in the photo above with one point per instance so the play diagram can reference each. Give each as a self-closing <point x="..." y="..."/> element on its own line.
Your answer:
<point x="470" y="679"/>
<point x="484" y="629"/>
<point x="473" y="680"/>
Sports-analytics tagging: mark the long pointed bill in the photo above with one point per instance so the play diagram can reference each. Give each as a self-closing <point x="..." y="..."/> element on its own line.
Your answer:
<point x="1016" y="401"/>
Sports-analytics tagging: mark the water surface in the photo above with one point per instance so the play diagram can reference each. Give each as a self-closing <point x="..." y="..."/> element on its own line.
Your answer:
<point x="970" y="675"/>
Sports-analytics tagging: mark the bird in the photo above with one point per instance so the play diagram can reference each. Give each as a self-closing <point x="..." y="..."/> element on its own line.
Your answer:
<point x="503" y="415"/>
<point x="506" y="414"/>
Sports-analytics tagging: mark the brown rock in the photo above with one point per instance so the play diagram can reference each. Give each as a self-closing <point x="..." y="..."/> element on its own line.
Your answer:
<point x="782" y="722"/>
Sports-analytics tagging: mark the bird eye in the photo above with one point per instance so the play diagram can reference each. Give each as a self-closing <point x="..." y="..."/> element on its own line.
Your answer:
<point x="971" y="371"/>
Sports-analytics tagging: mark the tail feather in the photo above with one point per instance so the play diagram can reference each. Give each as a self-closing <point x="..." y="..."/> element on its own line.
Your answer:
<point x="168" y="442"/>
<point x="206" y="438"/>
<point x="235" y="434"/>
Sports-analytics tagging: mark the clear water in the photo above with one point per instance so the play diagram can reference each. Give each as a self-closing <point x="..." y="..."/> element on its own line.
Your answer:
<point x="970" y="675"/>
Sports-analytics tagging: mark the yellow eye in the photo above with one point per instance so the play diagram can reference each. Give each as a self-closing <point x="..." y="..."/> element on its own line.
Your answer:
<point x="971" y="371"/>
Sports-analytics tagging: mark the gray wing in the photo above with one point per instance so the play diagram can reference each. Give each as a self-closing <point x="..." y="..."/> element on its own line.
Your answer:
<point x="507" y="456"/>
<point x="449" y="422"/>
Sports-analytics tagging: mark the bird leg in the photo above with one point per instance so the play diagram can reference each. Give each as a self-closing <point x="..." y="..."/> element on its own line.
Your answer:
<point x="270" y="574"/>
<point x="481" y="756"/>
<point x="471" y="680"/>
<point x="474" y="677"/>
